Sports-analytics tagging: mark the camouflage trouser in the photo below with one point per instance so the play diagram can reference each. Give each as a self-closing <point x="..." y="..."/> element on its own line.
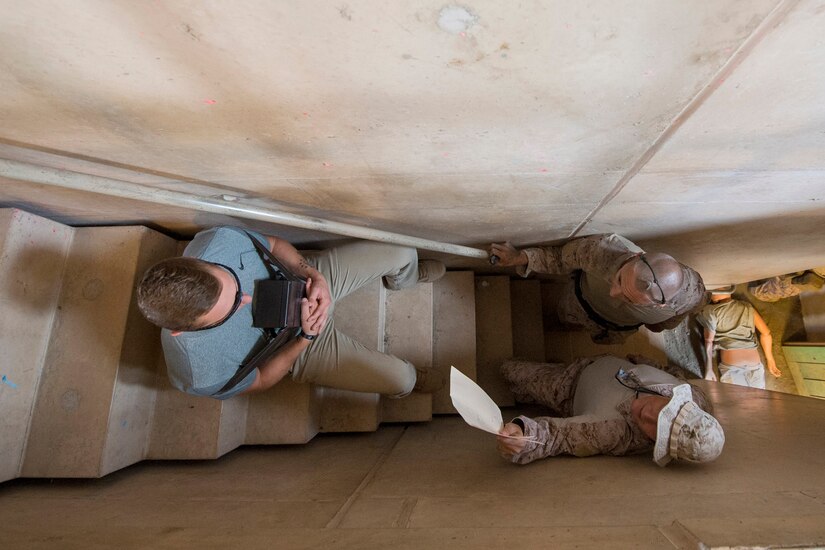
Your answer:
<point x="550" y="384"/>
<point x="775" y="289"/>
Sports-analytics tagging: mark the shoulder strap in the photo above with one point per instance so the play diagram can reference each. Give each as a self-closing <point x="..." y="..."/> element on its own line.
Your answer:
<point x="269" y="259"/>
<point x="269" y="350"/>
<point x="272" y="347"/>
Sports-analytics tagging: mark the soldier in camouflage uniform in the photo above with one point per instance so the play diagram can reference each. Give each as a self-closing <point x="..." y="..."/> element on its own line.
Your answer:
<point x="787" y="286"/>
<point x="607" y="405"/>
<point x="616" y="287"/>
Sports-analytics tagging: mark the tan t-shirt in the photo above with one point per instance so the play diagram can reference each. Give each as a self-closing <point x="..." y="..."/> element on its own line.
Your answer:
<point x="732" y="321"/>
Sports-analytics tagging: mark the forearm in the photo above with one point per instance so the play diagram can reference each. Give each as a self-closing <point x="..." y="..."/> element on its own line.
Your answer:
<point x="543" y="259"/>
<point x="600" y="254"/>
<point x="292" y="259"/>
<point x="708" y="357"/>
<point x="766" y="341"/>
<point x="274" y="370"/>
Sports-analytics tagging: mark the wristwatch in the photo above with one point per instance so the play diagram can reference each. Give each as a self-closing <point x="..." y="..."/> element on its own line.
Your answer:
<point x="306" y="336"/>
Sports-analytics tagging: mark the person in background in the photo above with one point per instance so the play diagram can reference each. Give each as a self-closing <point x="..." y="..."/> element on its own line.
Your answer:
<point x="786" y="286"/>
<point x="729" y="326"/>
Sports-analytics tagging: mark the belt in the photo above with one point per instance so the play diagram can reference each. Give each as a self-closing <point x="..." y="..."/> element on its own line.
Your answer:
<point x="591" y="313"/>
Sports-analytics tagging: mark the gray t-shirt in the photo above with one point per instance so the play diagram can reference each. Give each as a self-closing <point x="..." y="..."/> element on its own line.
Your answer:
<point x="201" y="362"/>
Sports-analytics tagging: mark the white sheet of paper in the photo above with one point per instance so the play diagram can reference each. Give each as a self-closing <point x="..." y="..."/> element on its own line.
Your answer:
<point x="473" y="404"/>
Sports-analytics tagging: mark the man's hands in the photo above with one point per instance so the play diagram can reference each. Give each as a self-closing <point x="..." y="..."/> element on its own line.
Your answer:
<point x="508" y="447"/>
<point x="709" y="374"/>
<point x="315" y="307"/>
<point x="772" y="368"/>
<point x="508" y="254"/>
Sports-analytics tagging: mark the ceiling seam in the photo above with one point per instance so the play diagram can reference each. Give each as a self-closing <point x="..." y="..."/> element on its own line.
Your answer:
<point x="771" y="21"/>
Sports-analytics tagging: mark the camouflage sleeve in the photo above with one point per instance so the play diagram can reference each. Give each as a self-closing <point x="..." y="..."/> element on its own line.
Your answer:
<point x="577" y="436"/>
<point x="596" y="253"/>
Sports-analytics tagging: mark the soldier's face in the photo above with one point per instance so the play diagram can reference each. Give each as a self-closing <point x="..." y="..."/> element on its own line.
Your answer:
<point x="624" y="285"/>
<point x="645" y="412"/>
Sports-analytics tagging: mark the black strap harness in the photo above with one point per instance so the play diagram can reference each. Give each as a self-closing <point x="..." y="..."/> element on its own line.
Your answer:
<point x="275" y="339"/>
<point x="591" y="313"/>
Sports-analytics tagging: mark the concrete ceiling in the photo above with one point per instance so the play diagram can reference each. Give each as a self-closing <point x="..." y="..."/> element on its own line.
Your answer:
<point x="696" y="127"/>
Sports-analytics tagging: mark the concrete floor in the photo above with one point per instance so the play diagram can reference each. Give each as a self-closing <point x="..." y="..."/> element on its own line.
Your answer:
<point x="441" y="484"/>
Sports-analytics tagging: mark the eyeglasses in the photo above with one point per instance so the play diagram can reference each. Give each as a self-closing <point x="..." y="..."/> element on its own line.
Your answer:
<point x="655" y="281"/>
<point x="623" y="375"/>
<point x="235" y="306"/>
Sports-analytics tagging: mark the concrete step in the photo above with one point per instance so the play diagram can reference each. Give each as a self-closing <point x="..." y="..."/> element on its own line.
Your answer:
<point x="494" y="337"/>
<point x="409" y="335"/>
<point x="289" y="412"/>
<point x="33" y="252"/>
<point x="527" y="319"/>
<point x="454" y="331"/>
<point x="567" y="346"/>
<point x="96" y="396"/>
<point x="360" y="316"/>
<point x="188" y="427"/>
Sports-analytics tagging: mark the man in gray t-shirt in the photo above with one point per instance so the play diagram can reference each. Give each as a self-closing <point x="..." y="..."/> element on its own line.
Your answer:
<point x="202" y="302"/>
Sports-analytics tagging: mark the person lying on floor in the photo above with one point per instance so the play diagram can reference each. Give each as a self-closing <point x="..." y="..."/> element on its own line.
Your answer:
<point x="731" y="326"/>
<point x="611" y="406"/>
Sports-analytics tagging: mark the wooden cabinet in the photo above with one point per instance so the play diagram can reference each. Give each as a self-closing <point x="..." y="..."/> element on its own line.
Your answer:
<point x="806" y="361"/>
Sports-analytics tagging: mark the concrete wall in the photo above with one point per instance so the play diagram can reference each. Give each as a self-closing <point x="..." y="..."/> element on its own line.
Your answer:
<point x="694" y="126"/>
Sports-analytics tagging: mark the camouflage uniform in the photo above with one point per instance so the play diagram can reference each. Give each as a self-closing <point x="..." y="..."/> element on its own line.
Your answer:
<point x="593" y="408"/>
<point x="785" y="286"/>
<point x="775" y="289"/>
<point x="597" y="258"/>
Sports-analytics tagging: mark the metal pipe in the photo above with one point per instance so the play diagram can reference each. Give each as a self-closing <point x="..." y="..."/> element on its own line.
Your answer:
<point x="225" y="204"/>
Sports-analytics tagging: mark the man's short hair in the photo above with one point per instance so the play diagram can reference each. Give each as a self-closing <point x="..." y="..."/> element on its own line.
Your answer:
<point x="175" y="293"/>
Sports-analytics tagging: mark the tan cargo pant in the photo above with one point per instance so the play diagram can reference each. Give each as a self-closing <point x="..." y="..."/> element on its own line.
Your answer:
<point x="336" y="360"/>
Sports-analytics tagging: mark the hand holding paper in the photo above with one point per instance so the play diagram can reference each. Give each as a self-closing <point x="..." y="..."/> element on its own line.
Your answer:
<point x="475" y="406"/>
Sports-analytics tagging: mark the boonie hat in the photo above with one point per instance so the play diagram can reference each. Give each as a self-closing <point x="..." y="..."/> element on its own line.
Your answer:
<point x="685" y="432"/>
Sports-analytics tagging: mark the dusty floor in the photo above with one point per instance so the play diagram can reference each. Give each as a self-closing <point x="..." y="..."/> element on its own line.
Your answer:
<point x="441" y="485"/>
